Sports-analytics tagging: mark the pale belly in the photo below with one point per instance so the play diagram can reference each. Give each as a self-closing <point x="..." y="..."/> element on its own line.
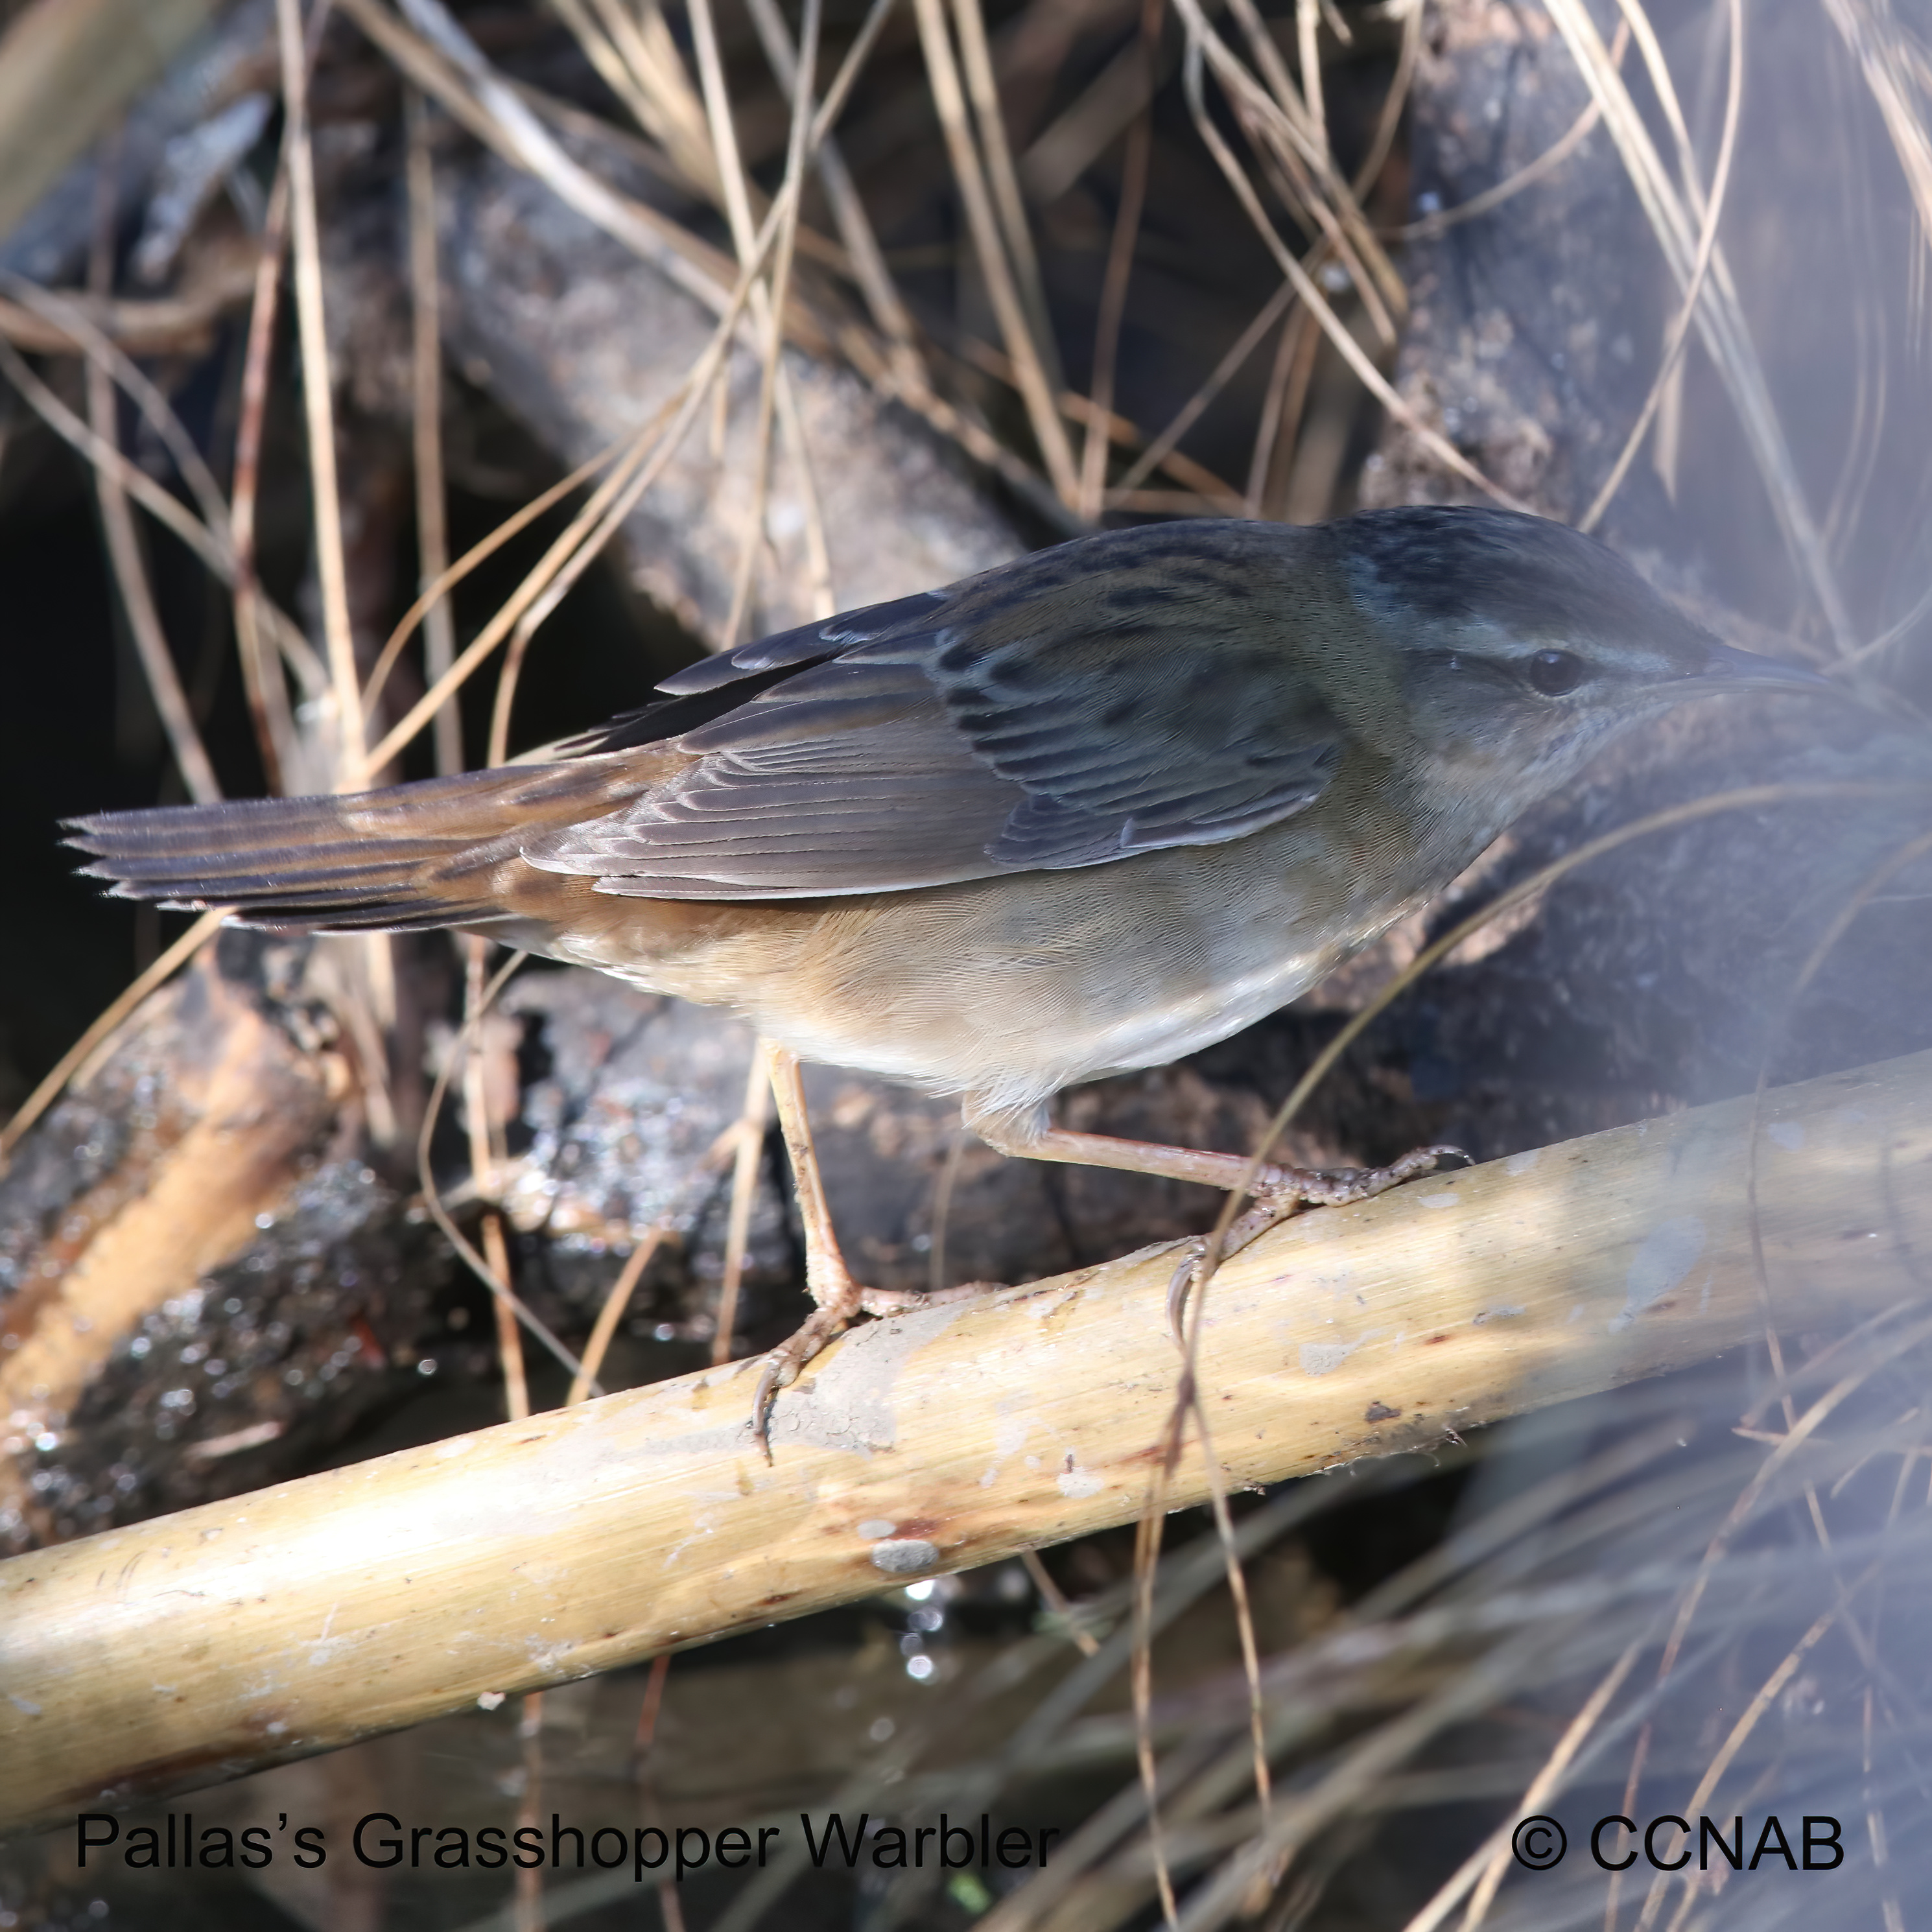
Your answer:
<point x="1007" y="990"/>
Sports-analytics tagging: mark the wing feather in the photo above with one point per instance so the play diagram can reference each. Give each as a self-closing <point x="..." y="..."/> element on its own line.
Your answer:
<point x="1070" y="709"/>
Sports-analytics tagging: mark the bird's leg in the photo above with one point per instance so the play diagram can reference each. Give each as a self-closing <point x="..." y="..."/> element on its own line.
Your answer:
<point x="1278" y="1188"/>
<point x="840" y="1299"/>
<point x="1274" y="1183"/>
<point x="827" y="1279"/>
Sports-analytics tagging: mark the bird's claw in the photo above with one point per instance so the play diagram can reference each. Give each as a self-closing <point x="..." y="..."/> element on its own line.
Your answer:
<point x="1279" y="1191"/>
<point x="840" y="1304"/>
<point x="1286" y="1188"/>
<point x="784" y="1365"/>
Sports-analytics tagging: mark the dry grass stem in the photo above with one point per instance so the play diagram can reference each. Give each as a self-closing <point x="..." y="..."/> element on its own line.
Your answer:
<point x="1721" y="321"/>
<point x="721" y="129"/>
<point x="748" y="1156"/>
<point x="439" y="618"/>
<point x="137" y="603"/>
<point x="1288" y="384"/>
<point x="1488" y="1865"/>
<point x="768" y="300"/>
<point x="446" y="580"/>
<point x="1055" y="1600"/>
<point x="652" y="87"/>
<point x="442" y="60"/>
<point x="644" y="41"/>
<point x="159" y="503"/>
<point x="161" y="326"/>
<point x="1317" y="303"/>
<point x="865" y="260"/>
<point x="1678" y="332"/>
<point x="212" y="545"/>
<point x="639" y="464"/>
<point x="268" y="706"/>
<point x="1428" y="226"/>
<point x="507" y="616"/>
<point x="1120" y="269"/>
<point x="492" y="1278"/>
<point x="1157" y="452"/>
<point x="509" y="1336"/>
<point x="615" y="1305"/>
<point x="84" y="336"/>
<point x="1895" y="71"/>
<point x="1003" y="179"/>
<point x="160" y="970"/>
<point x="1388" y="125"/>
<point x="1276" y="116"/>
<point x="1307" y="30"/>
<point x="318" y="401"/>
<point x="1746" y="1722"/>
<point x="1036" y="390"/>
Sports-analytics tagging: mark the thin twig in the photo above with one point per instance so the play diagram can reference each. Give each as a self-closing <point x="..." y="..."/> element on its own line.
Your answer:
<point x="1721" y="321"/>
<point x="749" y="1155"/>
<point x="509" y="1337"/>
<point x="438" y="620"/>
<point x="453" y="574"/>
<point x="1337" y="332"/>
<point x="615" y="1305"/>
<point x="942" y="1211"/>
<point x="638" y="466"/>
<point x="261" y="670"/>
<point x="1055" y="1598"/>
<point x="865" y="259"/>
<point x="1707" y="242"/>
<point x="1753" y="1712"/>
<point x="771" y="302"/>
<point x="975" y="198"/>
<point x="160" y="504"/>
<point x="1244" y="345"/>
<point x="102" y="352"/>
<point x="1546" y="1784"/>
<point x="1120" y="270"/>
<point x="124" y="552"/>
<point x="1288" y="384"/>
<point x="162" y="968"/>
<point x="432" y="1198"/>
<point x="1429" y="226"/>
<point x="1390" y="123"/>
<point x="982" y="89"/>
<point x="318" y="406"/>
<point x="1307" y="25"/>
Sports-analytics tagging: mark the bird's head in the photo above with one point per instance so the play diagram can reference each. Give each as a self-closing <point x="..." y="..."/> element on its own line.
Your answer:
<point x="1519" y="647"/>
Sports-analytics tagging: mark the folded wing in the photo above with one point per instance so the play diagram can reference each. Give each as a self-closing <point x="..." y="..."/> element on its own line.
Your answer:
<point x="1065" y="711"/>
<point x="1117" y="695"/>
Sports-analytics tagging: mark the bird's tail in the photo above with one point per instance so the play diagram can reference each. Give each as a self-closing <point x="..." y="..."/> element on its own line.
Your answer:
<point x="407" y="858"/>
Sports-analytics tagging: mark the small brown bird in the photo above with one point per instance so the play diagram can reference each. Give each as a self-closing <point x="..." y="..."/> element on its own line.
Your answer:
<point x="1083" y="813"/>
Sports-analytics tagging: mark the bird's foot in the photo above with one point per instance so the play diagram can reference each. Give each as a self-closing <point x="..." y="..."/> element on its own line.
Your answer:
<point x="1286" y="1188"/>
<point x="1279" y="1191"/>
<point x="841" y="1302"/>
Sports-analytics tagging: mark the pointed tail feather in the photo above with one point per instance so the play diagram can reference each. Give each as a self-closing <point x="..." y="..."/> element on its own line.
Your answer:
<point x="408" y="857"/>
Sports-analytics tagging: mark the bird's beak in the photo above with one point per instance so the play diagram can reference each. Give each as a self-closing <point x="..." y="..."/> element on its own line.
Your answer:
<point x="1728" y="669"/>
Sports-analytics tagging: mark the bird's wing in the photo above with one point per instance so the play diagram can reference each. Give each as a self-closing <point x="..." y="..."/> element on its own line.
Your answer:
<point x="1067" y="710"/>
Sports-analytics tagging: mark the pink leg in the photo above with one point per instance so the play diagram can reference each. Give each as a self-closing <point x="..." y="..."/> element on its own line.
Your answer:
<point x="1278" y="1188"/>
<point x="1274" y="1184"/>
<point x="841" y="1300"/>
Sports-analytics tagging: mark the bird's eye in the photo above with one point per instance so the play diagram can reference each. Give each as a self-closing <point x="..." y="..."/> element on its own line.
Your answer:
<point x="1556" y="673"/>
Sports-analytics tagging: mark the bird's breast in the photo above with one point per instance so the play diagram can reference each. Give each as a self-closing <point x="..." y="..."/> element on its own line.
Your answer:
<point x="1011" y="987"/>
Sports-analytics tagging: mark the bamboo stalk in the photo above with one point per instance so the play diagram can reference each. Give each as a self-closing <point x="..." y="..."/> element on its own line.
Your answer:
<point x="202" y="1645"/>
